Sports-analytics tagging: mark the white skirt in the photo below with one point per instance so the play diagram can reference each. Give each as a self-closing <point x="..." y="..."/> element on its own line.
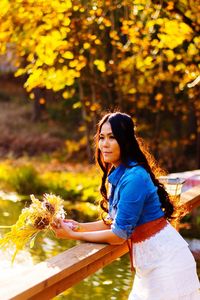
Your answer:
<point x="165" y="268"/>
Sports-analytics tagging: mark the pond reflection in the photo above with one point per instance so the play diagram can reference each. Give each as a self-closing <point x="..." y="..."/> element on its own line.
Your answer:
<point x="112" y="282"/>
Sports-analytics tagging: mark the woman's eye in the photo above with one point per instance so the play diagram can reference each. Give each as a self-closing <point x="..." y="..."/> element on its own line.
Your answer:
<point x="112" y="137"/>
<point x="101" y="138"/>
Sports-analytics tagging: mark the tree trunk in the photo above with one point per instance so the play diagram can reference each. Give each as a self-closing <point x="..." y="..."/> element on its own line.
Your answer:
<point x="198" y="147"/>
<point x="197" y="115"/>
<point x="38" y="106"/>
<point x="84" y="116"/>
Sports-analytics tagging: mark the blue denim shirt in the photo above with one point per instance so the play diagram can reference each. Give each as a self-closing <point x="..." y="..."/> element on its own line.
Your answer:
<point x="133" y="199"/>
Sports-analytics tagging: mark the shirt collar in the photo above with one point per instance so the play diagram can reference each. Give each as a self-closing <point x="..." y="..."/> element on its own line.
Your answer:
<point x="117" y="173"/>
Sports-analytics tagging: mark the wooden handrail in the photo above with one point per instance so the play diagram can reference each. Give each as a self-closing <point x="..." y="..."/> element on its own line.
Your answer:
<point x="51" y="277"/>
<point x="190" y="199"/>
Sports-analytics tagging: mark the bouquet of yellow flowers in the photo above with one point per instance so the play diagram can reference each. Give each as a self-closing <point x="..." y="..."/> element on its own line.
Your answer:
<point x="40" y="215"/>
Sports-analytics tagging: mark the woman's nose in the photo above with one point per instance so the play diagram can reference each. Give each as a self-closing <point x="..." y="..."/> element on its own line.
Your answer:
<point x="105" y="142"/>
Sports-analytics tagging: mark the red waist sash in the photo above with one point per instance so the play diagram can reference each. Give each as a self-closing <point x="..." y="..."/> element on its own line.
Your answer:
<point x="144" y="232"/>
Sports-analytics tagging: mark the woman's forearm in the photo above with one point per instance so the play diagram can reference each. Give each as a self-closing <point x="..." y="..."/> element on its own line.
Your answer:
<point x="100" y="236"/>
<point x="95" y="235"/>
<point x="93" y="226"/>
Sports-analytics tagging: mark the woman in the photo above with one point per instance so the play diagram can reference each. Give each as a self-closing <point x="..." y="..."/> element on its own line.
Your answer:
<point x="137" y="209"/>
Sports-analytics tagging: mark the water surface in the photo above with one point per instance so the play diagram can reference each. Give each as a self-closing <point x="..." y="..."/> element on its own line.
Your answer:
<point x="112" y="282"/>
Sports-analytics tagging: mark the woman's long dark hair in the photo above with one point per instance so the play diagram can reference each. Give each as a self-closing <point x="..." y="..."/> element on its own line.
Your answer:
<point x="130" y="149"/>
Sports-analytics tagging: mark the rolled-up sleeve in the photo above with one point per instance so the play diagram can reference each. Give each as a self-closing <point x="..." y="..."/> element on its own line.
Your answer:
<point x="132" y="194"/>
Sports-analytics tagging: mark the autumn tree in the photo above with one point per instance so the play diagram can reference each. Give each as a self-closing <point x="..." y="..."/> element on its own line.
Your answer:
<point x="138" y="56"/>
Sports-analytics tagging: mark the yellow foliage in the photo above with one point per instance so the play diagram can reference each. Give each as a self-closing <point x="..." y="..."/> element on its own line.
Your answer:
<point x="95" y="107"/>
<point x="20" y="72"/>
<point x="97" y="42"/>
<point x="170" y="55"/>
<point x="107" y="22"/>
<point x="169" y="41"/>
<point x="75" y="7"/>
<point x="4" y="35"/>
<point x="86" y="45"/>
<point x="132" y="91"/>
<point x="61" y="6"/>
<point x="4" y="7"/>
<point x="77" y="105"/>
<point x="139" y="62"/>
<point x="32" y="96"/>
<point x="99" y="12"/>
<point x="51" y="38"/>
<point x="68" y="55"/>
<point x="81" y="63"/>
<point x="174" y="33"/>
<point x="100" y="65"/>
<point x="134" y="35"/>
<point x="35" y="79"/>
<point x="148" y="61"/>
<point x="73" y="63"/>
<point x="192" y="50"/>
<point x="66" y="21"/>
<point x="197" y="41"/>
<point x="180" y="66"/>
<point x="114" y="35"/>
<point x="127" y="64"/>
<point x="159" y="97"/>
<point x="68" y="94"/>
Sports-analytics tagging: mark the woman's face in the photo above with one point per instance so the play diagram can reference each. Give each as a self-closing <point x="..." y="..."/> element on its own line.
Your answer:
<point x="109" y="146"/>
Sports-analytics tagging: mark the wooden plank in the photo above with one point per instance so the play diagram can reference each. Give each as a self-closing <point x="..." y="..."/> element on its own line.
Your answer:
<point x="67" y="268"/>
<point x="81" y="274"/>
<point x="190" y="199"/>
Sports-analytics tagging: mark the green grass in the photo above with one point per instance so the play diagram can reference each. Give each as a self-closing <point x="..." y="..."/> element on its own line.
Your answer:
<point x="25" y="179"/>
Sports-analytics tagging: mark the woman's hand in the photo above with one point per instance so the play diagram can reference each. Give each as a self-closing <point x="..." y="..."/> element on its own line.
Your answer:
<point x="74" y="225"/>
<point x="62" y="229"/>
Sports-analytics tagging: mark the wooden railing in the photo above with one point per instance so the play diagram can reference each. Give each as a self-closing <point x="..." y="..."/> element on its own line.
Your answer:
<point x="51" y="277"/>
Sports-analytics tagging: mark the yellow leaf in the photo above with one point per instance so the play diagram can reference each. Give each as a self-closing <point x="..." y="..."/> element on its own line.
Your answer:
<point x="170" y="5"/>
<point x="20" y="72"/>
<point x="107" y="22"/>
<point x="148" y="61"/>
<point x="32" y="96"/>
<point x="68" y="55"/>
<point x="170" y="55"/>
<point x="132" y="91"/>
<point x="75" y="7"/>
<point x="114" y="35"/>
<point x="180" y="66"/>
<point x="158" y="97"/>
<point x="192" y="50"/>
<point x="68" y="94"/>
<point x="184" y="28"/>
<point x="61" y="6"/>
<point x="100" y="65"/>
<point x="35" y="79"/>
<point x="73" y="63"/>
<point x="77" y="105"/>
<point x="86" y="45"/>
<point x="140" y="7"/>
<point x="66" y="21"/>
<point x="99" y="12"/>
<point x="101" y="27"/>
<point x="4" y="7"/>
<point x="97" y="42"/>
